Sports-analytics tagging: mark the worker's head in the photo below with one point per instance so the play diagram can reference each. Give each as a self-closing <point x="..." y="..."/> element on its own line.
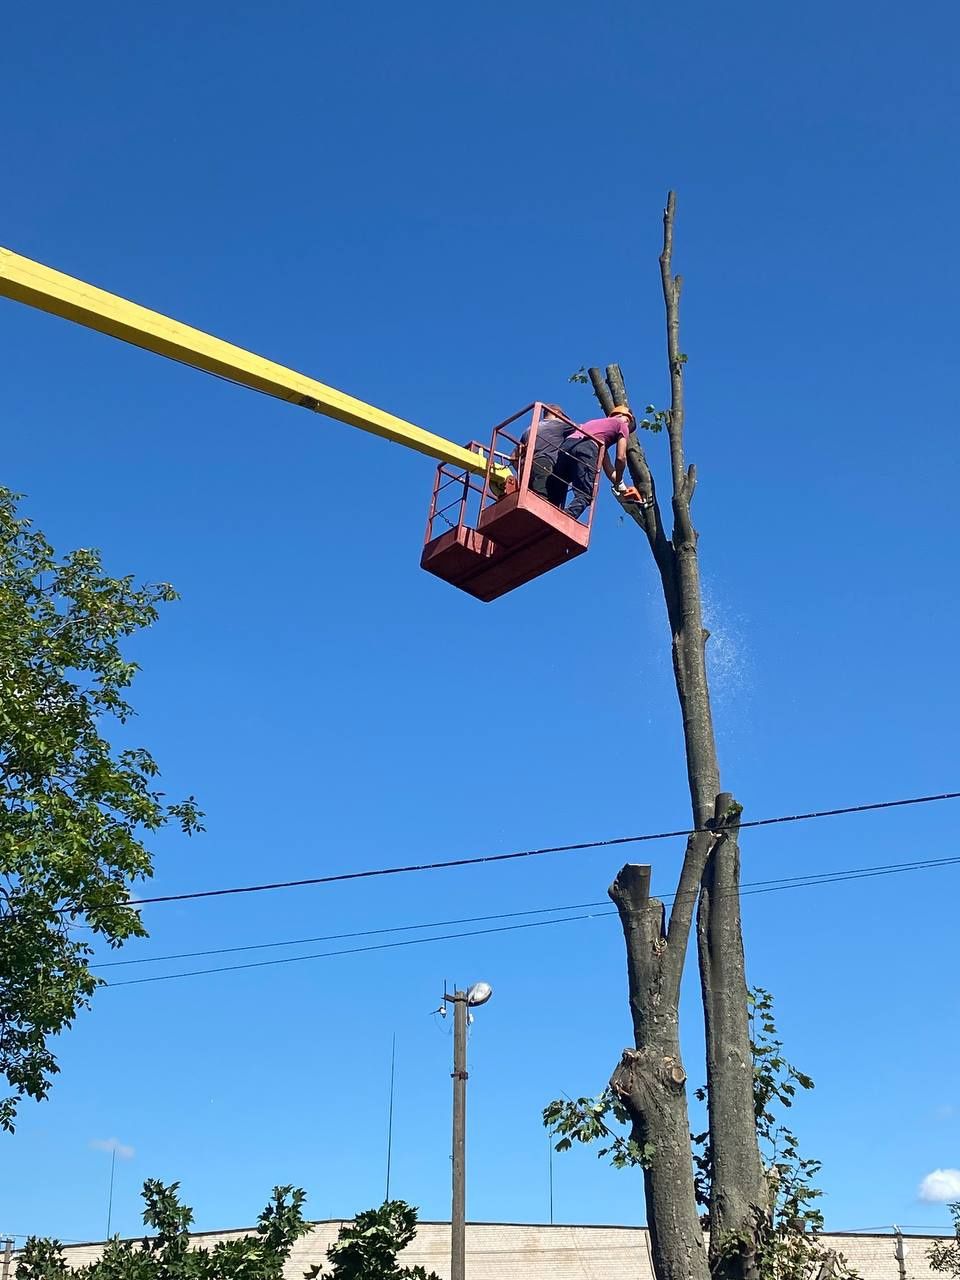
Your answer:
<point x="624" y="411"/>
<point x="553" y="411"/>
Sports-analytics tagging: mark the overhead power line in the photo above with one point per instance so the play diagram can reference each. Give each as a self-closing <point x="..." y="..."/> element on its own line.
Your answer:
<point x="351" y="951"/>
<point x="340" y="937"/>
<point x="752" y="887"/>
<point x="483" y="859"/>
<point x="748" y="887"/>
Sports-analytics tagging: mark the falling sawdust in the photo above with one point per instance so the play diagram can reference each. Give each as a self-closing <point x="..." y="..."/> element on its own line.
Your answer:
<point x="729" y="659"/>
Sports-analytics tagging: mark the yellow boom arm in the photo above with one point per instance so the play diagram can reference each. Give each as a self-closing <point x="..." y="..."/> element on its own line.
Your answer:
<point x="62" y="295"/>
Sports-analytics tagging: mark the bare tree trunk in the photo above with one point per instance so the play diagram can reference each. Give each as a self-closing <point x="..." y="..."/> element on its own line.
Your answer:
<point x="710" y="868"/>
<point x="650" y="1080"/>
<point x="739" y="1193"/>
<point x="738" y="1186"/>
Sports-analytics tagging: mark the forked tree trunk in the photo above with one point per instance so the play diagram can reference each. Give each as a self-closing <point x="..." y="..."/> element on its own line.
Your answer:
<point x="650" y="1079"/>
<point x="646" y="1080"/>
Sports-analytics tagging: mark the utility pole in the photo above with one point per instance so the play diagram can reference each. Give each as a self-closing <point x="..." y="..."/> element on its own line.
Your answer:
<point x="7" y="1257"/>
<point x="462" y="1001"/>
<point x="458" y="1215"/>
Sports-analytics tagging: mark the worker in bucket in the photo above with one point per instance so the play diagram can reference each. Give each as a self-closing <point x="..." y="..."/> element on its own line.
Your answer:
<point x="552" y="431"/>
<point x="576" y="464"/>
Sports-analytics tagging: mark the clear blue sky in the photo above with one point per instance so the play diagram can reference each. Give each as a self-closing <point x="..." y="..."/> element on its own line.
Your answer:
<point x="446" y="210"/>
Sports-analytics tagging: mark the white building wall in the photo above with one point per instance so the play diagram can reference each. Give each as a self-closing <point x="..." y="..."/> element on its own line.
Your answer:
<point x="497" y="1251"/>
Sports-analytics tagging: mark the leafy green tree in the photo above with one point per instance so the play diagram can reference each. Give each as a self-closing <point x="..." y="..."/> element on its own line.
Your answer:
<point x="73" y="811"/>
<point x="167" y="1255"/>
<point x="367" y="1248"/>
<point x="946" y="1257"/>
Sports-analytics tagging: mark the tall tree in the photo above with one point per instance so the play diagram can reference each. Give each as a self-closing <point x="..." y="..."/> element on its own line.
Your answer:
<point x="649" y="1082"/>
<point x="73" y="811"/>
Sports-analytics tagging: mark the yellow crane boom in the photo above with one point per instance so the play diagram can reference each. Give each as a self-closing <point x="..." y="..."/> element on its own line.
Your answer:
<point x="38" y="286"/>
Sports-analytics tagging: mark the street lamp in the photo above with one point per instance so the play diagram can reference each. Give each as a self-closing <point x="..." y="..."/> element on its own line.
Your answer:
<point x="472" y="998"/>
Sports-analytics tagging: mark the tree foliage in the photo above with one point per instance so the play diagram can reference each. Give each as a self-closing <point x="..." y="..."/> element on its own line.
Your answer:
<point x="367" y="1248"/>
<point x="588" y="1120"/>
<point x="794" y="1212"/>
<point x="73" y="811"/>
<point x="945" y="1258"/>
<point x="168" y="1255"/>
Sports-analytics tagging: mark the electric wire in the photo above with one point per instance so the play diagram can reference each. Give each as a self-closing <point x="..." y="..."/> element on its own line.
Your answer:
<point x="747" y="888"/>
<point x="350" y="951"/>
<point x="482" y="859"/>
<point x="337" y="937"/>
<point x="755" y="887"/>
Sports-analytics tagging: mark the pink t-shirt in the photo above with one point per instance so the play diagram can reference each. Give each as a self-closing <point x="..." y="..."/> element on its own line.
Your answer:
<point x="606" y="430"/>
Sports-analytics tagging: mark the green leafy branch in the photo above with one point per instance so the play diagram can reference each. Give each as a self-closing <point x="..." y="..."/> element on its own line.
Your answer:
<point x="367" y="1248"/>
<point x="790" y="1238"/>
<point x="654" y="419"/>
<point x="170" y="1253"/>
<point x="74" y="813"/>
<point x="585" y="1120"/>
<point x="945" y="1258"/>
<point x="776" y="1081"/>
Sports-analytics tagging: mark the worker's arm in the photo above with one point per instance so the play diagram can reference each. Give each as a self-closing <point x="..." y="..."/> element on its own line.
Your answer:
<point x="599" y="427"/>
<point x="615" y="472"/>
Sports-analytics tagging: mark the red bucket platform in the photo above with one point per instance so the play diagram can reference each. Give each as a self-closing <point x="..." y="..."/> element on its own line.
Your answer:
<point x="488" y="540"/>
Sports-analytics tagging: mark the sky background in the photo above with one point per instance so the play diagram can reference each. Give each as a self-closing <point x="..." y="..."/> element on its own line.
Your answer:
<point x="446" y="210"/>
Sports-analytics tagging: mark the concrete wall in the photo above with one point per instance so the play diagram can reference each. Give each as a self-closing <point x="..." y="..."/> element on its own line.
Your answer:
<point x="511" y="1251"/>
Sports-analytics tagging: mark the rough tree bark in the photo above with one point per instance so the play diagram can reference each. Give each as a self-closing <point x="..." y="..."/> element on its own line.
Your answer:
<point x="650" y="1077"/>
<point x="650" y="1080"/>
